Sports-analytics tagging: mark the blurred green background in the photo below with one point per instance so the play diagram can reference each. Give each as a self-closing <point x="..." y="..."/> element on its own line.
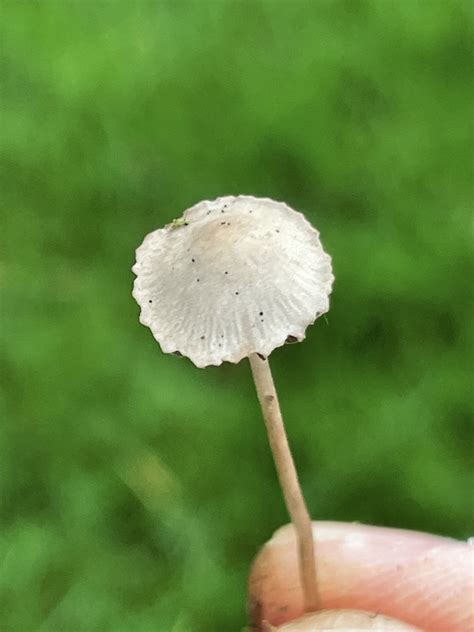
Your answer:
<point x="136" y="489"/>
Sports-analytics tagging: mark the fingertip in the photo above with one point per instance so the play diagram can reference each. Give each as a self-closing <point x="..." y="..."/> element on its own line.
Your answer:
<point x="423" y="579"/>
<point x="344" y="621"/>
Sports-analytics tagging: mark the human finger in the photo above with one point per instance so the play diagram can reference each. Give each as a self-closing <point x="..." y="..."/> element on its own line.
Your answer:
<point x="421" y="579"/>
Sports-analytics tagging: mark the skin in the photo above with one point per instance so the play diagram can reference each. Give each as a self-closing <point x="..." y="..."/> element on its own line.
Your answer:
<point x="422" y="580"/>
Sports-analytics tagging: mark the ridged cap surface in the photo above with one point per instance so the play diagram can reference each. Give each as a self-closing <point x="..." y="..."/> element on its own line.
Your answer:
<point x="233" y="276"/>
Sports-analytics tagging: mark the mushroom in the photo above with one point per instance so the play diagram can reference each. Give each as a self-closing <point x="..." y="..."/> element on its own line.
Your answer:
<point x="232" y="278"/>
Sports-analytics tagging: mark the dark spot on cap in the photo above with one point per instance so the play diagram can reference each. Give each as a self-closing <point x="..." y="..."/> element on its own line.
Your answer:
<point x="236" y="293"/>
<point x="197" y="280"/>
<point x="260" y="313"/>
<point x="290" y="340"/>
<point x="277" y="230"/>
<point x="203" y="337"/>
<point x="193" y="260"/>
<point x="222" y="223"/>
<point x="150" y="301"/>
<point x="226" y="272"/>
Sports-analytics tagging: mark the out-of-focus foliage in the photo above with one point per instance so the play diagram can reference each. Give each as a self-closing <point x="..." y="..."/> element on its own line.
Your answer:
<point x="136" y="488"/>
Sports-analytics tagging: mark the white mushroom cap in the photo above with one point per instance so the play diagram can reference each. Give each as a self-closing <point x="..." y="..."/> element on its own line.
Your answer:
<point x="232" y="277"/>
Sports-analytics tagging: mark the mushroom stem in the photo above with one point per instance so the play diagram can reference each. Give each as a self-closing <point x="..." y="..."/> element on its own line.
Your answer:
<point x="288" y="477"/>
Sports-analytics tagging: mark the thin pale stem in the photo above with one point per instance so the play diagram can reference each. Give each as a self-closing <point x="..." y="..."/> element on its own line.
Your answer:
<point x="288" y="477"/>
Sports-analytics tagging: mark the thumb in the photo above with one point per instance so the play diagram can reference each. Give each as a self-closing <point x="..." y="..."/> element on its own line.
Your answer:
<point x="424" y="580"/>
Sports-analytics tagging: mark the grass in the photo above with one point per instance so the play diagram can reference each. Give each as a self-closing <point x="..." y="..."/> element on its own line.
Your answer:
<point x="136" y="488"/>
